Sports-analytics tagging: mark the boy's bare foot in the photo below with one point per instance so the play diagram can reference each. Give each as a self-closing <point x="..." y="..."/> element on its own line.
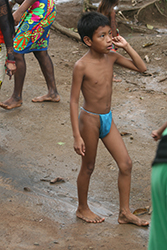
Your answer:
<point x="50" y="98"/>
<point x="128" y="217"/>
<point x="88" y="216"/>
<point x="11" y="103"/>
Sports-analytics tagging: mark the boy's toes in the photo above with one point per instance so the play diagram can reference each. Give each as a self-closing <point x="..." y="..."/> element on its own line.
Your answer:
<point x="89" y="217"/>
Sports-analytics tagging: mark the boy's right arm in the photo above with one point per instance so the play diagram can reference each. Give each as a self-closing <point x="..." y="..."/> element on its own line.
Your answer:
<point x="79" y="145"/>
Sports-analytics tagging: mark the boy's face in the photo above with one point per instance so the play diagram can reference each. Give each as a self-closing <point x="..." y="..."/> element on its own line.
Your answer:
<point x="102" y="40"/>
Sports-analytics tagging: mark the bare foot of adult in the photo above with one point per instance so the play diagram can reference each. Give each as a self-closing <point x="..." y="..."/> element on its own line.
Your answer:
<point x="88" y="216"/>
<point x="11" y="103"/>
<point x="48" y="97"/>
<point x="128" y="217"/>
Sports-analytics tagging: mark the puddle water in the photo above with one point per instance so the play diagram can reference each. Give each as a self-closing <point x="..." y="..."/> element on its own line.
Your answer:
<point x="58" y="200"/>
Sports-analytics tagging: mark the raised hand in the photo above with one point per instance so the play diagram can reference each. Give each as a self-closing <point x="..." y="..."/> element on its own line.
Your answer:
<point x="119" y="41"/>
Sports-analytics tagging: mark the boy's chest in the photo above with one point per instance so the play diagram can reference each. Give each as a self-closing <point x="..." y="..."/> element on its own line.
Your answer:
<point x="96" y="73"/>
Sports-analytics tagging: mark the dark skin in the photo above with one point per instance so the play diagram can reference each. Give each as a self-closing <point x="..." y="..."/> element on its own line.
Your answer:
<point x="93" y="75"/>
<point x="46" y="66"/>
<point x="6" y="31"/>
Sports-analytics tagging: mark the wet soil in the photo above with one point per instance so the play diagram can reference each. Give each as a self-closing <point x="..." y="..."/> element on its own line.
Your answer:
<point x="37" y="146"/>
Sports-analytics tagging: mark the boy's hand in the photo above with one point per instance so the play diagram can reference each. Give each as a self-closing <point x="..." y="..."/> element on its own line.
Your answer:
<point x="119" y="41"/>
<point x="79" y="146"/>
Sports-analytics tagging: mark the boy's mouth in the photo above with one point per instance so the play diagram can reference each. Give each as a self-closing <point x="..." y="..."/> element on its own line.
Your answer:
<point x="109" y="47"/>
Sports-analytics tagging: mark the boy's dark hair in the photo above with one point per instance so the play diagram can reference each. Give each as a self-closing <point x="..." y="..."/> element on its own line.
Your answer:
<point x="90" y="22"/>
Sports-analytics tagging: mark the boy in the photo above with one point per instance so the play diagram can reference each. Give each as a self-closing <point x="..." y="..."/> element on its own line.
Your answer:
<point x="93" y="75"/>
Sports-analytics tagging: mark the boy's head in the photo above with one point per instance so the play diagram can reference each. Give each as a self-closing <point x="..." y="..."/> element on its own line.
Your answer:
<point x="90" y="22"/>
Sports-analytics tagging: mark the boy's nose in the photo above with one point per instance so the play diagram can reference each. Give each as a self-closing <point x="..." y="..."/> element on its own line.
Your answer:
<point x="109" y="38"/>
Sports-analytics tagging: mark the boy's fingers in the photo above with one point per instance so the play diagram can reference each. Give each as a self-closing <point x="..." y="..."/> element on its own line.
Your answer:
<point x="79" y="151"/>
<point x="83" y="148"/>
<point x="82" y="153"/>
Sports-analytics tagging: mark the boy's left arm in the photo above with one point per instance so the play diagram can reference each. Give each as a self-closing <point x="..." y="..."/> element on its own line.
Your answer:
<point x="135" y="63"/>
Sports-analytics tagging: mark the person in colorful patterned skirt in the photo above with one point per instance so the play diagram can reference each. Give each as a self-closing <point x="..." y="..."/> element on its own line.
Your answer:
<point x="34" y="19"/>
<point x="6" y="41"/>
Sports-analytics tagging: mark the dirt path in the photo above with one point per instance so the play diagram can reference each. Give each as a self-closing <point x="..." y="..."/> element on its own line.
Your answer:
<point x="37" y="143"/>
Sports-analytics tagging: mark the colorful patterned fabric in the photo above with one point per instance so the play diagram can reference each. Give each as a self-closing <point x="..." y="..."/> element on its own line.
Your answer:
<point x="1" y="37"/>
<point x="32" y="33"/>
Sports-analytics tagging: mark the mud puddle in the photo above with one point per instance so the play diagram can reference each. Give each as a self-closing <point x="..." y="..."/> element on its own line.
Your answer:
<point x="25" y="184"/>
<point x="58" y="203"/>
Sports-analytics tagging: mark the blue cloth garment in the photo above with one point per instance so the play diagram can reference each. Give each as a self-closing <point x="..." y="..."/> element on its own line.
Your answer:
<point x="105" y="123"/>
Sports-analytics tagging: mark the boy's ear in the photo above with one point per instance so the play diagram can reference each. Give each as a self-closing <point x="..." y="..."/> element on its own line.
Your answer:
<point x="87" y="41"/>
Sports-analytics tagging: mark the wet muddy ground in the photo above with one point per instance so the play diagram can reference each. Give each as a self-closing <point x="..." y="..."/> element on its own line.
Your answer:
<point x="37" y="146"/>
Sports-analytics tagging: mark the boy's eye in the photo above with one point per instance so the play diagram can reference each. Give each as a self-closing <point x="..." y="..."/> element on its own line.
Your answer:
<point x="110" y="33"/>
<point x="102" y="35"/>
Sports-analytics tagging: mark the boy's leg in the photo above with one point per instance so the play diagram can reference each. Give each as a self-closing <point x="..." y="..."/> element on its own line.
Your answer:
<point x="115" y="145"/>
<point x="48" y="72"/>
<point x="16" y="99"/>
<point x="89" y="129"/>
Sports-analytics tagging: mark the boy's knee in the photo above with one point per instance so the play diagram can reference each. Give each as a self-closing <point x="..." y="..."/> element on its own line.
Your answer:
<point x="126" y="167"/>
<point x="90" y="168"/>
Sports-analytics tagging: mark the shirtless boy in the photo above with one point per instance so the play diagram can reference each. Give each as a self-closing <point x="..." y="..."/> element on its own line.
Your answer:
<point x="93" y="75"/>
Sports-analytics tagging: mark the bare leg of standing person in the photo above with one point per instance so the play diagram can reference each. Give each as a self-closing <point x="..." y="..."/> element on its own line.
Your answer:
<point x="89" y="129"/>
<point x="115" y="145"/>
<point x="16" y="99"/>
<point x="48" y="72"/>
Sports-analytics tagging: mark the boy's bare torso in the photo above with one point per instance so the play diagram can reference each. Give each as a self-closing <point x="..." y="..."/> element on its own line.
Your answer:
<point x="97" y="82"/>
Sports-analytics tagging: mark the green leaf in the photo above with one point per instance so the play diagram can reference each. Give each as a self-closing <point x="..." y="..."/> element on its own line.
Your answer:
<point x="61" y="143"/>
